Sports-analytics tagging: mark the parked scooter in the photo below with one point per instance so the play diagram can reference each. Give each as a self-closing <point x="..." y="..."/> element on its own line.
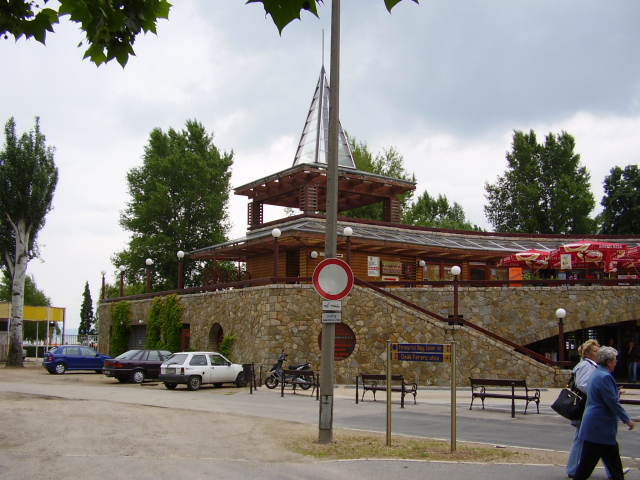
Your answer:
<point x="274" y="376"/>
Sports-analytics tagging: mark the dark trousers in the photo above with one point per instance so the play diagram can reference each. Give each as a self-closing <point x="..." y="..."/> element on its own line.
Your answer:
<point x="592" y="452"/>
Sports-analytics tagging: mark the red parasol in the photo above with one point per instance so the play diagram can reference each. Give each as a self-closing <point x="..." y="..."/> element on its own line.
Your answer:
<point x="603" y="254"/>
<point x="534" y="259"/>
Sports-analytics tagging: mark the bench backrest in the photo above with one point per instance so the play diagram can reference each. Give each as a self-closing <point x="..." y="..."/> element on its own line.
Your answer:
<point x="380" y="377"/>
<point x="497" y="382"/>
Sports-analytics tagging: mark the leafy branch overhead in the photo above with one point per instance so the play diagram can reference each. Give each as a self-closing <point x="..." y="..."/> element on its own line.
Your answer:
<point x="284" y="12"/>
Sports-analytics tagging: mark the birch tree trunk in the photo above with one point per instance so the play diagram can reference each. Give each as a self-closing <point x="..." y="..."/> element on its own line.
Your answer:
<point x="14" y="358"/>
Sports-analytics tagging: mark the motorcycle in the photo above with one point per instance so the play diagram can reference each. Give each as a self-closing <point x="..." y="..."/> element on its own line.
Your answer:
<point x="274" y="375"/>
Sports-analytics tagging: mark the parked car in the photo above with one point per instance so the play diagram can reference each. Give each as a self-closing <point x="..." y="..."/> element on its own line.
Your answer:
<point x="73" y="357"/>
<point x="135" y="365"/>
<point x="198" y="368"/>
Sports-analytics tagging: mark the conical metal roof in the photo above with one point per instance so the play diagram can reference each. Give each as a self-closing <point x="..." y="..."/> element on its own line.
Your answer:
<point x="314" y="142"/>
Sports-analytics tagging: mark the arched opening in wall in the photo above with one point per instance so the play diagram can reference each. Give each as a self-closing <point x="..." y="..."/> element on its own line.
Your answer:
<point x="216" y="335"/>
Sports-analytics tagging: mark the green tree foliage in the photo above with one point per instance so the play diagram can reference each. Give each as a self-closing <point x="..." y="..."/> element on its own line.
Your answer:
<point x="285" y="11"/>
<point x="28" y="178"/>
<point x="120" y="328"/>
<point x="86" y="313"/>
<point x="389" y="163"/>
<point x="110" y="26"/>
<point x="545" y="188"/>
<point x="225" y="346"/>
<point x="179" y="199"/>
<point x="428" y="211"/>
<point x="154" y="325"/>
<point x="621" y="202"/>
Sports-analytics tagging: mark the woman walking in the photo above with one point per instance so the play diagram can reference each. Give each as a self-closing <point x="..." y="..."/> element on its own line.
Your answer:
<point x="600" y="420"/>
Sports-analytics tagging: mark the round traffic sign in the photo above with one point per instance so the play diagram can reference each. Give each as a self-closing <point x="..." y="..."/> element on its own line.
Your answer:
<point x="333" y="279"/>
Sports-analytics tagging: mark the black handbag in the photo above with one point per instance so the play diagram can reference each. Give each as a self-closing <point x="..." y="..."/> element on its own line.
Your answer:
<point x="571" y="402"/>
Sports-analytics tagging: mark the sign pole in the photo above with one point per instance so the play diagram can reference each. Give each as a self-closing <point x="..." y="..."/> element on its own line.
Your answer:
<point x="388" y="393"/>
<point x="453" y="396"/>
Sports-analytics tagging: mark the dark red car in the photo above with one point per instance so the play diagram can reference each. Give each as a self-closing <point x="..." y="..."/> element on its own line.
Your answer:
<point x="135" y="365"/>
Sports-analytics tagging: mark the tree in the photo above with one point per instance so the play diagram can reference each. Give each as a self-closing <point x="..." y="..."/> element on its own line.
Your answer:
<point x="621" y="202"/>
<point x="86" y="313"/>
<point x="33" y="297"/>
<point x="428" y="211"/>
<point x="545" y="189"/>
<point x="111" y="26"/>
<point x="179" y="200"/>
<point x="389" y="163"/>
<point x="28" y="179"/>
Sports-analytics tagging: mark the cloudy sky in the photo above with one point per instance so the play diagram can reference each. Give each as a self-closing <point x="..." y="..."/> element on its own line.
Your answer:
<point x="446" y="83"/>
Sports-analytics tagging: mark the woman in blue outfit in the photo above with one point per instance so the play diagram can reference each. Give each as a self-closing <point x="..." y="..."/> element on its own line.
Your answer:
<point x="600" y="420"/>
<point x="582" y="373"/>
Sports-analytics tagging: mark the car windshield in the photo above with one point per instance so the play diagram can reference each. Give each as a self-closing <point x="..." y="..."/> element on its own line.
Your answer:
<point x="176" y="359"/>
<point x="131" y="354"/>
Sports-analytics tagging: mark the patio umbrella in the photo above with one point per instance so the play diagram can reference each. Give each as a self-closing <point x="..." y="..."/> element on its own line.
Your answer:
<point x="603" y="254"/>
<point x="534" y="259"/>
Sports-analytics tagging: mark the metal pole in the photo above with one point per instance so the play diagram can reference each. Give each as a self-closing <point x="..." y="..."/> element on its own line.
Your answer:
<point x="348" y="251"/>
<point x="455" y="296"/>
<point x="560" y="340"/>
<point x="122" y="284"/>
<point x="275" y="257"/>
<point x="180" y="268"/>
<point x="325" y="434"/>
<point x="453" y="396"/>
<point x="388" y="393"/>
<point x="148" y="279"/>
<point x="103" y="287"/>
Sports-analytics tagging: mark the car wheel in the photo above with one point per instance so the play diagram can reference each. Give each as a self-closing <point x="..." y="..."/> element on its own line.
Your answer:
<point x="122" y="380"/>
<point x="217" y="385"/>
<point x="98" y="371"/>
<point x="194" y="383"/>
<point x="170" y="386"/>
<point x="271" y="382"/>
<point x="240" y="381"/>
<point x="60" y="368"/>
<point x="138" y="376"/>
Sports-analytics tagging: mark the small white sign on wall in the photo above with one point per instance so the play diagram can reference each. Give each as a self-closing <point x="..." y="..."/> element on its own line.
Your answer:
<point x="373" y="266"/>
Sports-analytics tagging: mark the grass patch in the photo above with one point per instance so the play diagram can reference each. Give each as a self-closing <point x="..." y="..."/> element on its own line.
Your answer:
<point x="367" y="445"/>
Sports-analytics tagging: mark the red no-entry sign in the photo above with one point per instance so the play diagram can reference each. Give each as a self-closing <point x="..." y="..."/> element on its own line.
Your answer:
<point x="333" y="279"/>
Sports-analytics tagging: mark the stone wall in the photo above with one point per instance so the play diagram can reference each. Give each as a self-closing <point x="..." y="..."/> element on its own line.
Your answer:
<point x="268" y="319"/>
<point x="527" y="314"/>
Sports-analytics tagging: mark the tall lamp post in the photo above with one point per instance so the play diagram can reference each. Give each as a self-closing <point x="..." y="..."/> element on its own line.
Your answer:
<point x="180" y="268"/>
<point x="561" y="313"/>
<point x="422" y="263"/>
<point x="276" y="234"/>
<point x="103" y="272"/>
<point x="149" y="262"/>
<point x="455" y="271"/>
<point x="122" y="268"/>
<point x="347" y="232"/>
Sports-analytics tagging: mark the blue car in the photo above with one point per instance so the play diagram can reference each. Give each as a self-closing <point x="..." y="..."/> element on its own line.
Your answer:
<point x="73" y="357"/>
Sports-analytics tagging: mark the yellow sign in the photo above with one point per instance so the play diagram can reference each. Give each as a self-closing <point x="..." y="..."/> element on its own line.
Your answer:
<point x="35" y="314"/>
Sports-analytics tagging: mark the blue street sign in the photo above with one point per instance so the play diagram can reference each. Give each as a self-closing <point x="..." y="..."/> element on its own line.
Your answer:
<point x="421" y="352"/>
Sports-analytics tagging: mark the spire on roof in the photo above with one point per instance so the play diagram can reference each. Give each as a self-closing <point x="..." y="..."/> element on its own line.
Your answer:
<point x="314" y="142"/>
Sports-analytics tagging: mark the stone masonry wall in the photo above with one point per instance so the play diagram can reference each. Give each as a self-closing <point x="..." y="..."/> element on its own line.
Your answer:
<point x="268" y="319"/>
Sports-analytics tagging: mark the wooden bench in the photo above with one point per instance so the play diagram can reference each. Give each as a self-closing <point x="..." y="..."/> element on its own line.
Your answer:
<point x="529" y="394"/>
<point x="629" y="386"/>
<point x="371" y="383"/>
<point x="300" y="378"/>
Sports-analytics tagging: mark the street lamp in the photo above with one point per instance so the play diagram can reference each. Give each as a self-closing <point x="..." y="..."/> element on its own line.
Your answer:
<point x="149" y="262"/>
<point x="103" y="272"/>
<point x="180" y="267"/>
<point x="455" y="271"/>
<point x="561" y="313"/>
<point x="122" y="268"/>
<point x="276" y="234"/>
<point x="347" y="232"/>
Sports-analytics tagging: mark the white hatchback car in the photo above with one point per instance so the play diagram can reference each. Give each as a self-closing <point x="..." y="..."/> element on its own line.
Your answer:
<point x="197" y="368"/>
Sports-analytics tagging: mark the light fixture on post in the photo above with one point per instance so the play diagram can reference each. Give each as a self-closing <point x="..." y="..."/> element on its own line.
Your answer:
<point x="455" y="271"/>
<point x="347" y="232"/>
<point x="180" y="267"/>
<point x="122" y="268"/>
<point x="561" y="313"/>
<point x="103" y="272"/>
<point x="149" y="262"/>
<point x="276" y="234"/>
<point x="314" y="254"/>
<point x="421" y="263"/>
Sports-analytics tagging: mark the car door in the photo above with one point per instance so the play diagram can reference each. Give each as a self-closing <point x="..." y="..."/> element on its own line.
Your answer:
<point x="72" y="358"/>
<point x="91" y="360"/>
<point x="152" y="363"/>
<point x="199" y="365"/>
<point x="221" y="371"/>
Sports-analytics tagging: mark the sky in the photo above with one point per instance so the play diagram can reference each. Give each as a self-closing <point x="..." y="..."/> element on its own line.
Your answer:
<point x="446" y="83"/>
